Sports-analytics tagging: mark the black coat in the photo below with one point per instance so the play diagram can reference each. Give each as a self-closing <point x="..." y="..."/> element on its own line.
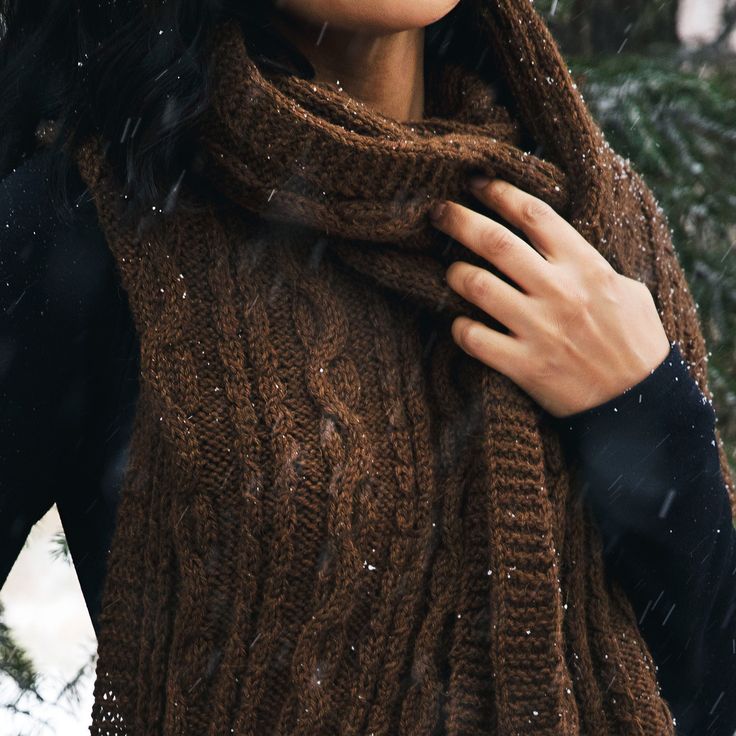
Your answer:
<point x="646" y="460"/>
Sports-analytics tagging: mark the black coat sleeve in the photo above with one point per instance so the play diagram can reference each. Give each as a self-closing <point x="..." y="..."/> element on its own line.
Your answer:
<point x="68" y="370"/>
<point x="35" y="371"/>
<point x="647" y="463"/>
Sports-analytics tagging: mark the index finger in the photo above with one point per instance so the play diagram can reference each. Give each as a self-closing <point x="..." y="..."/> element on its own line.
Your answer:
<point x="550" y="233"/>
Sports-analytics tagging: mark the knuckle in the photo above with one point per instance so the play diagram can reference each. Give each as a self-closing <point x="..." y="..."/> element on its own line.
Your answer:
<point x="603" y="275"/>
<point x="561" y="288"/>
<point x="579" y="300"/>
<point x="498" y="241"/>
<point x="498" y="188"/>
<point x="577" y="307"/>
<point x="533" y="210"/>
<point x="476" y="283"/>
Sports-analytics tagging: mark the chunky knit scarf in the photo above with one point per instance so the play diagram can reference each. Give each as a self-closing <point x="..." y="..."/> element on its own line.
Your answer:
<point x="333" y="520"/>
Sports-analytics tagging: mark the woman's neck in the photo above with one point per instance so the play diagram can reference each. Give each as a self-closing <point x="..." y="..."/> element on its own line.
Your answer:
<point x="385" y="71"/>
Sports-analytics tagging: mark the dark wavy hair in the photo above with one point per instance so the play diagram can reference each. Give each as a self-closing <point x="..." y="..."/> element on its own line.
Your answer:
<point x="134" y="71"/>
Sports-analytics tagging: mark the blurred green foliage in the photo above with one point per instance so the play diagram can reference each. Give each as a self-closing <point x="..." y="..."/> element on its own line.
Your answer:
<point x="16" y="664"/>
<point x="26" y="693"/>
<point x="610" y="26"/>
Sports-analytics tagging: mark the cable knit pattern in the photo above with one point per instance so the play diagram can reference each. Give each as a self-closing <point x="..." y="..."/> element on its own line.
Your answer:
<point x="334" y="521"/>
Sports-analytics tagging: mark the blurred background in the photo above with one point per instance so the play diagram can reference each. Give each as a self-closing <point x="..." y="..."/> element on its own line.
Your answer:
<point x="660" y="76"/>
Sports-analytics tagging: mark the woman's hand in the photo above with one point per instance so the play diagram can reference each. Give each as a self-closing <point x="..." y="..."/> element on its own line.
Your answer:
<point x="580" y="332"/>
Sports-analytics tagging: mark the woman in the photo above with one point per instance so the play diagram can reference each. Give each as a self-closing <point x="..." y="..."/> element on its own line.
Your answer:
<point x="345" y="506"/>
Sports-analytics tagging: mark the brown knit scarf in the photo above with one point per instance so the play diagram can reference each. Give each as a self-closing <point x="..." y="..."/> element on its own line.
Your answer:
<point x="334" y="521"/>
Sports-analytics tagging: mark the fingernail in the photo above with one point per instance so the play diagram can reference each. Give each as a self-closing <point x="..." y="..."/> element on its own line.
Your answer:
<point x="478" y="182"/>
<point x="437" y="209"/>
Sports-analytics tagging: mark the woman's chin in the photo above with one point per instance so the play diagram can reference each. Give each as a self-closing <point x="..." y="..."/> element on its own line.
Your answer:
<point x="377" y="16"/>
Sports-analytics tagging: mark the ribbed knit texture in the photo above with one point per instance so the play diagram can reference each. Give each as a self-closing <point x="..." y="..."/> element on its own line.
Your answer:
<point x="334" y="521"/>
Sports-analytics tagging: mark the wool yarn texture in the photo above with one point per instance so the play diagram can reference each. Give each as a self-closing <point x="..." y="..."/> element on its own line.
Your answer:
<point x="333" y="520"/>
